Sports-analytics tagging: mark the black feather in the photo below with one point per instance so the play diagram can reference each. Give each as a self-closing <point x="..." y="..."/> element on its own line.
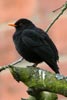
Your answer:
<point x="34" y="44"/>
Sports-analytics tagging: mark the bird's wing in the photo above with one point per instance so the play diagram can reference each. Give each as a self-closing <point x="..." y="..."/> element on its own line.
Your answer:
<point x="37" y="44"/>
<point x="49" y="41"/>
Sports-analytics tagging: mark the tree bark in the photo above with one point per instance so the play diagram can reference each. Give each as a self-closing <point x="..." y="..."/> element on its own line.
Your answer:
<point x="42" y="84"/>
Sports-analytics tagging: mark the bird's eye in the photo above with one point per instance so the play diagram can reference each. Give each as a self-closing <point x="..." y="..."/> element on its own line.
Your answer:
<point x="20" y="24"/>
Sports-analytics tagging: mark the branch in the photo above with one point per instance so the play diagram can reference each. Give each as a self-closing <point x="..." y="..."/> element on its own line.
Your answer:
<point x="43" y="96"/>
<point x="13" y="63"/>
<point x="62" y="11"/>
<point x="39" y="80"/>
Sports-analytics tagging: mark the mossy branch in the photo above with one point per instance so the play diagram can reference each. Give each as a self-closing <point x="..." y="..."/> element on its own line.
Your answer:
<point x="43" y="96"/>
<point x="39" y="80"/>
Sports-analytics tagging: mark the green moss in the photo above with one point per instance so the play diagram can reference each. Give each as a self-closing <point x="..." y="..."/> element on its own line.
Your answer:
<point x="40" y="79"/>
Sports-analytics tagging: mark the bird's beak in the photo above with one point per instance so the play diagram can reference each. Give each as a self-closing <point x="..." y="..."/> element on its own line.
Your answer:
<point x="12" y="25"/>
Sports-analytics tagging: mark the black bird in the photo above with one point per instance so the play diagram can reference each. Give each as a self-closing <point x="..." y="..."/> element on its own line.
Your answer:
<point x="34" y="45"/>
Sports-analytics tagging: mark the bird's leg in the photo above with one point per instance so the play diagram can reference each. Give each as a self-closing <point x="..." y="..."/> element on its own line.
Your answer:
<point x="34" y="65"/>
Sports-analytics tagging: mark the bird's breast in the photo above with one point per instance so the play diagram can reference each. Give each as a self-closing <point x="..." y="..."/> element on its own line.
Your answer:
<point x="27" y="53"/>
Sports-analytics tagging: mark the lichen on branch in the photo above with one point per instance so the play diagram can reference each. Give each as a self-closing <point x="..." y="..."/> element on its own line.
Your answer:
<point x="40" y="80"/>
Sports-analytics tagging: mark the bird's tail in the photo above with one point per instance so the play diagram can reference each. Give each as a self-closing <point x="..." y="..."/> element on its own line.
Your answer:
<point x="54" y="67"/>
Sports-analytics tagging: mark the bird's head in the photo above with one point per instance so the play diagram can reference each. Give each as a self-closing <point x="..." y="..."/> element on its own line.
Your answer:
<point x="22" y="24"/>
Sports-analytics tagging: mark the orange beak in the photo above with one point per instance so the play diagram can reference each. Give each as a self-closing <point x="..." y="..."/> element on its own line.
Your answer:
<point x="12" y="25"/>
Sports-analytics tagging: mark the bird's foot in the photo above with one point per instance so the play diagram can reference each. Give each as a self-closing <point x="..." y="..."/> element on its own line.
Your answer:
<point x="34" y="65"/>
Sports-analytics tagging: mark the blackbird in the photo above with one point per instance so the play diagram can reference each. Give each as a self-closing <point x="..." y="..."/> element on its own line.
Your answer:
<point x="34" y="45"/>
